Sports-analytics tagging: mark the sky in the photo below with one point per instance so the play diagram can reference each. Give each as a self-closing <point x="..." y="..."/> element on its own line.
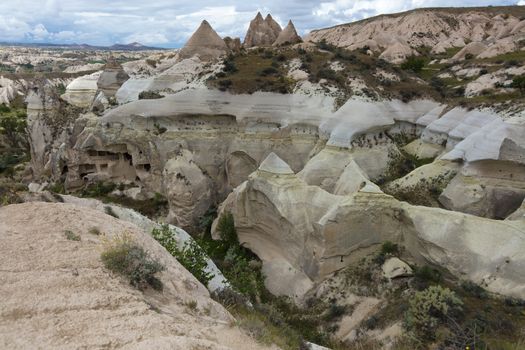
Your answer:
<point x="169" y="23"/>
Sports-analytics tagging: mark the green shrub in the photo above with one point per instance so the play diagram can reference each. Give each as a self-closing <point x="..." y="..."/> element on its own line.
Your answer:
<point x="389" y="248"/>
<point x="474" y="290"/>
<point x="414" y="64"/>
<point x="124" y="256"/>
<point x="268" y="71"/>
<point x="109" y="210"/>
<point x="429" y="309"/>
<point x="518" y="82"/>
<point x="226" y="228"/>
<point x="70" y="235"/>
<point x="191" y="255"/>
<point x="149" y="95"/>
<point x="99" y="189"/>
<point x="427" y="274"/>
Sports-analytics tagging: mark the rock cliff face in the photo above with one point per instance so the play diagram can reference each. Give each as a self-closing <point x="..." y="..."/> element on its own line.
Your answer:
<point x="303" y="233"/>
<point x="490" y="32"/>
<point x="262" y="32"/>
<point x="204" y="43"/>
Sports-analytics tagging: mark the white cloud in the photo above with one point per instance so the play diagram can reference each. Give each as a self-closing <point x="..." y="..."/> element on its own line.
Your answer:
<point x="171" y="22"/>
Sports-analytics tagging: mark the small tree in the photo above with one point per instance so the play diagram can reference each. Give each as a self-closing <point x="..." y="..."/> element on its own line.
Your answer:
<point x="519" y="83"/>
<point x="413" y="63"/>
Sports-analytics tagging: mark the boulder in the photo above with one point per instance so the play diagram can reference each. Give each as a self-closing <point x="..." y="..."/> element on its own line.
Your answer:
<point x="288" y="36"/>
<point x="81" y="91"/>
<point x="204" y="43"/>
<point x="395" y="267"/>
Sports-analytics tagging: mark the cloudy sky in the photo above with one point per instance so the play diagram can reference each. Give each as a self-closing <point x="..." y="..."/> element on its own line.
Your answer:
<point x="169" y="23"/>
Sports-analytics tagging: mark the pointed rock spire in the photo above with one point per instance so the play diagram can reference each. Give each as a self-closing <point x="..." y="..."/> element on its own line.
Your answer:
<point x="262" y="32"/>
<point x="275" y="165"/>
<point x="276" y="28"/>
<point x="205" y="43"/>
<point x="288" y="35"/>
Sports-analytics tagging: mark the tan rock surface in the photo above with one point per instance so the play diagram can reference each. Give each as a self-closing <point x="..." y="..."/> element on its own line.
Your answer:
<point x="205" y="43"/>
<point x="262" y="32"/>
<point x="288" y="35"/>
<point x="57" y="294"/>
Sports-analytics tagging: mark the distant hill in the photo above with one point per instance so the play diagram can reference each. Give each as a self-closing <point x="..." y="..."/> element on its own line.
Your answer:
<point x="117" y="47"/>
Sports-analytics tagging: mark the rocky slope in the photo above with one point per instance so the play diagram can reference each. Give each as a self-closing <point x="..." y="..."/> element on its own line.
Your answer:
<point x="57" y="293"/>
<point x="488" y="31"/>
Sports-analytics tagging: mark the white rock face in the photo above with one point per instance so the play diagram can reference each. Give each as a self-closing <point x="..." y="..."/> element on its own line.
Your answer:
<point x="189" y="191"/>
<point x="395" y="267"/>
<point x="286" y="221"/>
<point x="97" y="307"/>
<point x="81" y="91"/>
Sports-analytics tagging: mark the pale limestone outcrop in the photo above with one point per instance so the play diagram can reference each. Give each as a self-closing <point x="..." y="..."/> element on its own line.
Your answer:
<point x="352" y="180"/>
<point x="204" y="43"/>
<point x="393" y="36"/>
<point x="262" y="32"/>
<point x="470" y="50"/>
<point x="395" y="267"/>
<point x="188" y="189"/>
<point x="61" y="294"/>
<point x="288" y="35"/>
<point x="288" y="222"/>
<point x="397" y="52"/>
<point x="81" y="91"/>
<point x="491" y="182"/>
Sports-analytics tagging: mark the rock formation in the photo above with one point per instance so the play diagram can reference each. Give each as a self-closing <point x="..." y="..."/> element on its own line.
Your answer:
<point x="262" y="32"/>
<point x="66" y="280"/>
<point x="81" y="91"/>
<point x="288" y="36"/>
<point x="303" y="233"/>
<point x="204" y="43"/>
<point x="489" y="31"/>
<point x="112" y="78"/>
<point x="234" y="45"/>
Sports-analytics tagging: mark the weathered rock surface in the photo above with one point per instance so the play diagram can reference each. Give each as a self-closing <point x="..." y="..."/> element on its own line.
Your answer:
<point x="262" y="32"/>
<point x="395" y="267"/>
<point x="56" y="292"/>
<point x="287" y="222"/>
<point x="288" y="35"/>
<point x="81" y="91"/>
<point x="204" y="43"/>
<point x="489" y="32"/>
<point x="112" y="78"/>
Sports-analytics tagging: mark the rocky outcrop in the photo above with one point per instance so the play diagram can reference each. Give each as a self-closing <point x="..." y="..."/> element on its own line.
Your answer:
<point x="395" y="36"/>
<point x="262" y="32"/>
<point x="288" y="36"/>
<point x="234" y="45"/>
<point x="61" y="294"/>
<point x="112" y="78"/>
<point x="81" y="91"/>
<point x="204" y="43"/>
<point x="188" y="189"/>
<point x="395" y="267"/>
<point x="303" y="233"/>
